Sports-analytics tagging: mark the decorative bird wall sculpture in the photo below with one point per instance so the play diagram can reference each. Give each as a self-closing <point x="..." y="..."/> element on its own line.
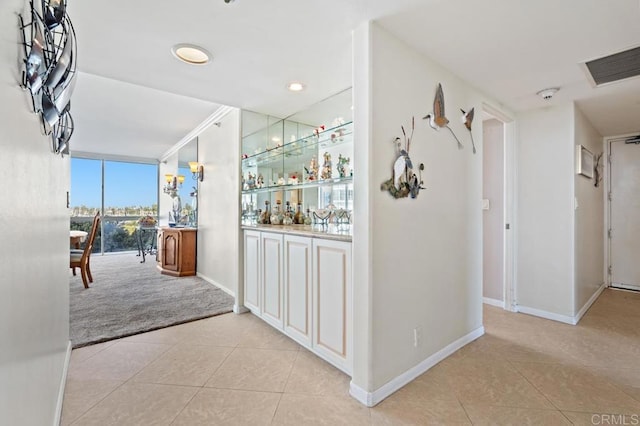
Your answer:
<point x="467" y="119"/>
<point x="437" y="119"/>
<point x="404" y="182"/>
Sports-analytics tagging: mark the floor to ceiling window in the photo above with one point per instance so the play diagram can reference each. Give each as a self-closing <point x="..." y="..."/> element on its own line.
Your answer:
<point x="121" y="191"/>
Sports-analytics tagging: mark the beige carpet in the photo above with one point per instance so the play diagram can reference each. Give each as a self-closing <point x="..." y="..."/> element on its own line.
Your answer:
<point x="128" y="297"/>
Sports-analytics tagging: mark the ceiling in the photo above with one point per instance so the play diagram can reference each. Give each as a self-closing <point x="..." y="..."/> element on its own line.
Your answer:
<point x="133" y="98"/>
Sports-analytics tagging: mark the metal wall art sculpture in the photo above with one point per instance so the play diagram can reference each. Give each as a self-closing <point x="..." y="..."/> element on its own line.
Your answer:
<point x="467" y="119"/>
<point x="49" y="72"/>
<point x="437" y="119"/>
<point x="404" y="181"/>
<point x="597" y="170"/>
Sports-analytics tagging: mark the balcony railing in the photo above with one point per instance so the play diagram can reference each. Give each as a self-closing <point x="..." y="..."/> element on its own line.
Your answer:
<point x="116" y="233"/>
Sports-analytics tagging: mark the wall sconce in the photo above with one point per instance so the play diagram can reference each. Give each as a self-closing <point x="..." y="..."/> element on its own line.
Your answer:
<point x="173" y="183"/>
<point x="197" y="170"/>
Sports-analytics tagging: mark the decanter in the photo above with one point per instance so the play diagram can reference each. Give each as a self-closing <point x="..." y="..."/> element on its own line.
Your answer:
<point x="276" y="214"/>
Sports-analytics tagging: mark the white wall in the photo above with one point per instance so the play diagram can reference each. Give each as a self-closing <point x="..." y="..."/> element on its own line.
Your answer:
<point x="493" y="219"/>
<point x="219" y="250"/>
<point x="589" y="219"/>
<point x="420" y="263"/>
<point x="545" y="231"/>
<point x="34" y="282"/>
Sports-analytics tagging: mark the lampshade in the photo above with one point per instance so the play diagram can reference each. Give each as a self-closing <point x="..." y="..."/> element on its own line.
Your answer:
<point x="180" y="179"/>
<point x="168" y="177"/>
<point x="193" y="165"/>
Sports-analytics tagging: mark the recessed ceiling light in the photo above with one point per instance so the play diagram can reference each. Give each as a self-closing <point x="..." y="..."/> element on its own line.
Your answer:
<point x="295" y="86"/>
<point x="547" y="94"/>
<point x="191" y="54"/>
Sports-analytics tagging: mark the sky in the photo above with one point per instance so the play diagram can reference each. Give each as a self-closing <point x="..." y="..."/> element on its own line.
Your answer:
<point x="126" y="184"/>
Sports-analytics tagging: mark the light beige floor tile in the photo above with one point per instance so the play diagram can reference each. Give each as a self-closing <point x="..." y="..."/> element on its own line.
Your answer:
<point x="632" y="391"/>
<point x="313" y="375"/>
<point x="496" y="347"/>
<point x="139" y="404"/>
<point x="223" y="330"/>
<point x="417" y="410"/>
<point x="620" y="376"/>
<point x="254" y="369"/>
<point x="214" y="337"/>
<point x="309" y="410"/>
<point x="188" y="365"/>
<point x="81" y="354"/>
<point x="119" y="361"/>
<point x="575" y="388"/>
<point x="625" y="379"/>
<point x="227" y="322"/>
<point x="263" y="336"/>
<point x="229" y="407"/>
<point x="167" y="335"/>
<point x="603" y="419"/>
<point x="492" y="382"/>
<point x="81" y="395"/>
<point x="432" y="385"/>
<point x="491" y="415"/>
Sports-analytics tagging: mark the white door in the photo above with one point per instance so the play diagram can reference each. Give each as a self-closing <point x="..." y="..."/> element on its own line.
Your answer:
<point x="332" y="311"/>
<point x="493" y="221"/>
<point x="271" y="291"/>
<point x="624" y="242"/>
<point x="297" y="288"/>
<point x="252" y="271"/>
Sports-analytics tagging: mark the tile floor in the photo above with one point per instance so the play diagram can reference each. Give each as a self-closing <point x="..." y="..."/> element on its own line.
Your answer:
<point x="236" y="370"/>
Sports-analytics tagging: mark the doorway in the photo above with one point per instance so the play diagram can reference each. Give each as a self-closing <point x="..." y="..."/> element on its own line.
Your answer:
<point x="624" y="212"/>
<point x="498" y="195"/>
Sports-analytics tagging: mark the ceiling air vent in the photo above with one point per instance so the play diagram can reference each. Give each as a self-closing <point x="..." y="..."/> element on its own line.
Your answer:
<point x="634" y="139"/>
<point x="618" y="66"/>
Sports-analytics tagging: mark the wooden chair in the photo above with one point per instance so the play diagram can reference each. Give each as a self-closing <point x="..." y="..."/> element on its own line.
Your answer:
<point x="80" y="258"/>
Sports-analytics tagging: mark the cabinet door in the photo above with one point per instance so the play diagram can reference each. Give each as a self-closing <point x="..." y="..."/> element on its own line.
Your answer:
<point x="252" y="271"/>
<point x="272" y="297"/>
<point x="332" y="299"/>
<point x="170" y="251"/>
<point x="297" y="288"/>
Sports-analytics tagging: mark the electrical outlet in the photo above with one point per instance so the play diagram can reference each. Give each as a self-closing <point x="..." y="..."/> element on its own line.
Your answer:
<point x="416" y="337"/>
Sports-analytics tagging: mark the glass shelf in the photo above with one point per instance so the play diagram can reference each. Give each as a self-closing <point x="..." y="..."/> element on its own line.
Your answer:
<point x="332" y="137"/>
<point x="308" y="184"/>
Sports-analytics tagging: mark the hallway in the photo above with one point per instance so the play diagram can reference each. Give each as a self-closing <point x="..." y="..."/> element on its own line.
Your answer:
<point x="235" y="369"/>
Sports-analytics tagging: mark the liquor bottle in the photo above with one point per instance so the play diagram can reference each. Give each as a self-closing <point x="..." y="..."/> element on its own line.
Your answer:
<point x="298" y="218"/>
<point x="266" y="214"/>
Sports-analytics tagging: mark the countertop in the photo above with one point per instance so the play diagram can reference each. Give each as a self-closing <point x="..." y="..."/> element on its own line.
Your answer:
<point x="329" y="232"/>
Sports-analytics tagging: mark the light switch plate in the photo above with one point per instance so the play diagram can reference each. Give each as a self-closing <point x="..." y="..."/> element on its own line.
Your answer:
<point x="485" y="204"/>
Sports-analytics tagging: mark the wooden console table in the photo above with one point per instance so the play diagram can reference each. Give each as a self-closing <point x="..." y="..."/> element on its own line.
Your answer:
<point x="177" y="251"/>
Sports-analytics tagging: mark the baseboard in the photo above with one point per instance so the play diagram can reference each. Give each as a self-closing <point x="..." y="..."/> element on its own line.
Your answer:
<point x="215" y="283"/>
<point x="370" y="399"/>
<point x="547" y="315"/>
<point x="240" y="309"/>
<point x="493" y="302"/>
<point x="63" y="384"/>
<point x="587" y="305"/>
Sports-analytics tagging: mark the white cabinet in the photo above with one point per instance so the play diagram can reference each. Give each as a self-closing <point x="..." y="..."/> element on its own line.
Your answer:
<point x="297" y="288"/>
<point x="252" y="271"/>
<point x="271" y="259"/>
<point x="332" y="300"/>
<point x="303" y="286"/>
